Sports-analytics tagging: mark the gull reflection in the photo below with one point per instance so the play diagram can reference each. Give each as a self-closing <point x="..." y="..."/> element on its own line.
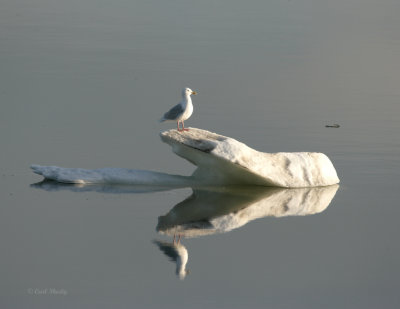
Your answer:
<point x="177" y="253"/>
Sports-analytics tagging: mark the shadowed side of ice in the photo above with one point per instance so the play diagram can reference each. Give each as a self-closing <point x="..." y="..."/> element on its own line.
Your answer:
<point x="214" y="211"/>
<point x="220" y="160"/>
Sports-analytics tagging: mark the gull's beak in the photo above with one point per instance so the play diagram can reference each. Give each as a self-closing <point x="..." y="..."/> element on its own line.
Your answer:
<point x="194" y="92"/>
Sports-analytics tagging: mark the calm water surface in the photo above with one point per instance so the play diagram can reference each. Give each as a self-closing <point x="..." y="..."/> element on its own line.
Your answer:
<point x="83" y="84"/>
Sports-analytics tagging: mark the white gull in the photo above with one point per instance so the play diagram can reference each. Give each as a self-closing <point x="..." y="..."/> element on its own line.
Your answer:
<point x="181" y="111"/>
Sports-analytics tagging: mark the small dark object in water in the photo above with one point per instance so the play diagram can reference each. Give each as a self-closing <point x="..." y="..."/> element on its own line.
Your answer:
<point x="332" y="125"/>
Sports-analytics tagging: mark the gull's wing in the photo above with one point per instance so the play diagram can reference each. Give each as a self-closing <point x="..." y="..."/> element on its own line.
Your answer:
<point x="173" y="113"/>
<point x="168" y="249"/>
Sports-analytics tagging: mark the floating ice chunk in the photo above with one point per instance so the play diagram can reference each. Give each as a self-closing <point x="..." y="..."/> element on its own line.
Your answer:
<point x="224" y="160"/>
<point x="220" y="160"/>
<point x="119" y="176"/>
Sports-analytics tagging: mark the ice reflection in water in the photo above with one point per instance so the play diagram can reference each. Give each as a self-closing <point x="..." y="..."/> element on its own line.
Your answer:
<point x="218" y="210"/>
<point x="222" y="209"/>
<point x="52" y="186"/>
<point x="213" y="210"/>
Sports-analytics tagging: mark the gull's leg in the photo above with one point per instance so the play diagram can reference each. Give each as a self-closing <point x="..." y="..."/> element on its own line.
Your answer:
<point x="183" y="126"/>
<point x="177" y="125"/>
<point x="179" y="239"/>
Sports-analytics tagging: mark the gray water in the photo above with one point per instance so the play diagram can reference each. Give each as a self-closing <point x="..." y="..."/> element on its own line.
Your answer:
<point x="83" y="84"/>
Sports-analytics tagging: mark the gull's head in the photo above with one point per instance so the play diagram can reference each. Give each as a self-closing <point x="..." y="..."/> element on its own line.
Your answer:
<point x="188" y="91"/>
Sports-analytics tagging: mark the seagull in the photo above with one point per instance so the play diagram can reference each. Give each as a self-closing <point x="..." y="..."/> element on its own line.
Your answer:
<point x="177" y="253"/>
<point x="181" y="111"/>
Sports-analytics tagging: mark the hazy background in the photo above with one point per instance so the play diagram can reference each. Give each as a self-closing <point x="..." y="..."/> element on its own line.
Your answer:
<point x="83" y="83"/>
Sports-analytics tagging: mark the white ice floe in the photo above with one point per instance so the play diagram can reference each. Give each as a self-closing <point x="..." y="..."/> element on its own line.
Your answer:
<point x="220" y="160"/>
<point x="112" y="176"/>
